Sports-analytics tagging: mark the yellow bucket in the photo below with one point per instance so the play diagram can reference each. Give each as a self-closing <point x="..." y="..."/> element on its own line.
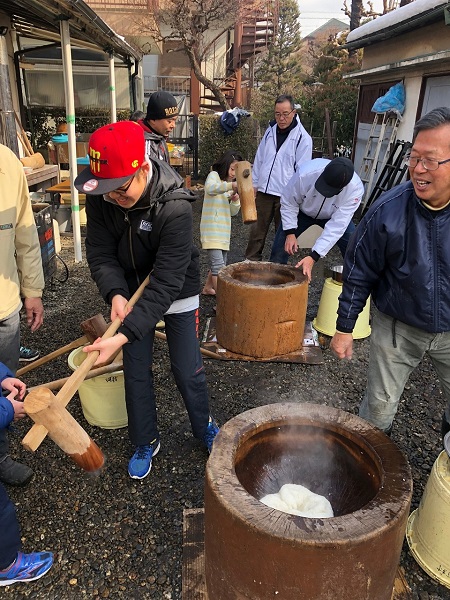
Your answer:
<point x="428" y="530"/>
<point x="103" y="397"/>
<point x="325" y="322"/>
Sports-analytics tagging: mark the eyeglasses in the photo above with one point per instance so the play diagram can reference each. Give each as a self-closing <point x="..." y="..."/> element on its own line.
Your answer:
<point x="430" y="164"/>
<point x="122" y="191"/>
<point x="283" y="115"/>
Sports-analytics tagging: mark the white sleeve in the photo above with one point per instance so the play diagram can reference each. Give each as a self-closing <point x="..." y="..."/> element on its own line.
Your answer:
<point x="304" y="149"/>
<point x="257" y="163"/>
<point x="289" y="203"/>
<point x="336" y="226"/>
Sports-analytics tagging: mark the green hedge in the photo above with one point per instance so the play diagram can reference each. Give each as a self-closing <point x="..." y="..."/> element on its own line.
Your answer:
<point x="43" y="120"/>
<point x="213" y="141"/>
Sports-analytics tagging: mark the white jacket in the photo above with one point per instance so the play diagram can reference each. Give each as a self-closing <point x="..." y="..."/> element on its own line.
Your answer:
<point x="271" y="169"/>
<point x="301" y="195"/>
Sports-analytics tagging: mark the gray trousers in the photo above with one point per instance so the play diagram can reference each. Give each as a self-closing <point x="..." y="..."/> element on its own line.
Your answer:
<point x="395" y="350"/>
<point x="9" y="355"/>
<point x="268" y="210"/>
<point x="217" y="260"/>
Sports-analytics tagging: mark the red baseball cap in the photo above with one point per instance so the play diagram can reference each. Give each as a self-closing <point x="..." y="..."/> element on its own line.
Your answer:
<point x="116" y="152"/>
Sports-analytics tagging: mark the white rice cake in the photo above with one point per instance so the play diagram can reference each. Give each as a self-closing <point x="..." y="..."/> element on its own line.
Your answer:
<point x="298" y="500"/>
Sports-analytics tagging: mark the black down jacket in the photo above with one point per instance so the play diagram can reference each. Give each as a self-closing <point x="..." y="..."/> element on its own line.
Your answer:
<point x="124" y="245"/>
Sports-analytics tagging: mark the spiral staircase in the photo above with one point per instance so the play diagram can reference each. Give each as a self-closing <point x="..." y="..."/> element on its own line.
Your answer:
<point x="254" y="31"/>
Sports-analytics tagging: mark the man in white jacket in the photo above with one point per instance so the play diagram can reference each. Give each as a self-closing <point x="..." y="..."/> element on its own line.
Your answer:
<point x="322" y="192"/>
<point x="284" y="147"/>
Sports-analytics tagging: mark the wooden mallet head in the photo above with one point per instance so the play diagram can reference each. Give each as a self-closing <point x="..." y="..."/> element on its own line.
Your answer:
<point x="43" y="407"/>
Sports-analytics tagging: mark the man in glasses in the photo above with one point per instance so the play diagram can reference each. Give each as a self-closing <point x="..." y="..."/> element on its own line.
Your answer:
<point x="400" y="254"/>
<point x="285" y="146"/>
<point x="139" y="221"/>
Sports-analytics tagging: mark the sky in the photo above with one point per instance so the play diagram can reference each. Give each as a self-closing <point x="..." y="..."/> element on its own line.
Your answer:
<point x="314" y="13"/>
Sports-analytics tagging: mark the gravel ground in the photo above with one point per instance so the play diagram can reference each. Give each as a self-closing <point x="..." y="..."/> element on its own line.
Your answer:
<point x="117" y="538"/>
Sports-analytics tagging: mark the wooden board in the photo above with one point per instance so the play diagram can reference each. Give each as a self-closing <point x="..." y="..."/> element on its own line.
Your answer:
<point x="193" y="576"/>
<point x="43" y="177"/>
<point x="308" y="353"/>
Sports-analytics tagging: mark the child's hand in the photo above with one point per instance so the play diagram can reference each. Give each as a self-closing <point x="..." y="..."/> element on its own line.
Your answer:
<point x="19" y="410"/>
<point x="15" y="386"/>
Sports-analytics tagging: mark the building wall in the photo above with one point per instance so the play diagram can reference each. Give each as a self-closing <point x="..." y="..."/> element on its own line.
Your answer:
<point x="418" y="47"/>
<point x="428" y="40"/>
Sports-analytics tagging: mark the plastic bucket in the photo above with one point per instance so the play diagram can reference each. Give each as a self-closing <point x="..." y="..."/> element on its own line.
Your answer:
<point x="428" y="530"/>
<point x="325" y="322"/>
<point x="103" y="397"/>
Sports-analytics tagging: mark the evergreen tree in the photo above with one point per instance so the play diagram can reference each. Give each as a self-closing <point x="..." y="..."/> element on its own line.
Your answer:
<point x="278" y="71"/>
<point x="328" y="89"/>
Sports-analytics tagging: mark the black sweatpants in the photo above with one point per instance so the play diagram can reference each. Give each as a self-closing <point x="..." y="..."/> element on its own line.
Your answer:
<point x="188" y="371"/>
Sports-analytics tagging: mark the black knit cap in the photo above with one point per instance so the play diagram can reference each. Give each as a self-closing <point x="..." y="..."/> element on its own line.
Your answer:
<point x="161" y="105"/>
<point x="336" y="175"/>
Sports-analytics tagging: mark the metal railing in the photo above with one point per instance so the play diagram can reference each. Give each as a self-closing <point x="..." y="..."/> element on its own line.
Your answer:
<point x="175" y="84"/>
<point x="186" y="135"/>
<point x="136" y="5"/>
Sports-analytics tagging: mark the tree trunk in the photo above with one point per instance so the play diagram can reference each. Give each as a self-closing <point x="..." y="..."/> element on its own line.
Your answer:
<point x="355" y="20"/>
<point x="356" y="13"/>
<point x="215" y="89"/>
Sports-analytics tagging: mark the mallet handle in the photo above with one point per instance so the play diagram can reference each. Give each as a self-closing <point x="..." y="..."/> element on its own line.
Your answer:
<point x="45" y="359"/>
<point x="208" y="353"/>
<point x="58" y="383"/>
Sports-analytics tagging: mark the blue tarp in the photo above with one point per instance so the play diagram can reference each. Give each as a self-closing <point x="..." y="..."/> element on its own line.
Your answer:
<point x="392" y="101"/>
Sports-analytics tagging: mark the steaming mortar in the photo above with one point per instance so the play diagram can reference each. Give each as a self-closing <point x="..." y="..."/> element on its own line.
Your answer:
<point x="298" y="500"/>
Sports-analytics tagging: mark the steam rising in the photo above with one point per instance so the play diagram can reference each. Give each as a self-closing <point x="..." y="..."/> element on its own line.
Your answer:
<point x="325" y="462"/>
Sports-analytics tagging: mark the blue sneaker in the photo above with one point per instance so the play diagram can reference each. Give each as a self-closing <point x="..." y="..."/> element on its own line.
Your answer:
<point x="27" y="354"/>
<point x="27" y="567"/>
<point x="140" y="463"/>
<point x="211" y="431"/>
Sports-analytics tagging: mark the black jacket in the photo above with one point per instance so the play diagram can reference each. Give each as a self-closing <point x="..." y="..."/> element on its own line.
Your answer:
<point x="399" y="253"/>
<point x="124" y="245"/>
<point x="155" y="144"/>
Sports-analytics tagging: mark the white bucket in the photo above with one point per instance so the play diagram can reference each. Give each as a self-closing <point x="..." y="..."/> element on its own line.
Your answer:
<point x="102" y="397"/>
<point x="428" y="531"/>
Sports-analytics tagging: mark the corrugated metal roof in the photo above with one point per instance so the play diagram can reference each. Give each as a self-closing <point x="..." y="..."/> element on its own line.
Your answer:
<point x="40" y="19"/>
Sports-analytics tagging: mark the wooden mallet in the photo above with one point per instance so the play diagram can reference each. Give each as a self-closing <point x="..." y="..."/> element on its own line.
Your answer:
<point x="42" y="404"/>
<point x="246" y="193"/>
<point x="45" y="410"/>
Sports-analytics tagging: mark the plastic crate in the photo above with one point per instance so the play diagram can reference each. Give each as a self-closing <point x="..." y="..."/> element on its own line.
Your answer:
<point x="44" y="225"/>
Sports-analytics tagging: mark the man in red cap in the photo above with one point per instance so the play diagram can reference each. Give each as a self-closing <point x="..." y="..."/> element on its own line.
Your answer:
<point x="158" y="124"/>
<point x="139" y="221"/>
